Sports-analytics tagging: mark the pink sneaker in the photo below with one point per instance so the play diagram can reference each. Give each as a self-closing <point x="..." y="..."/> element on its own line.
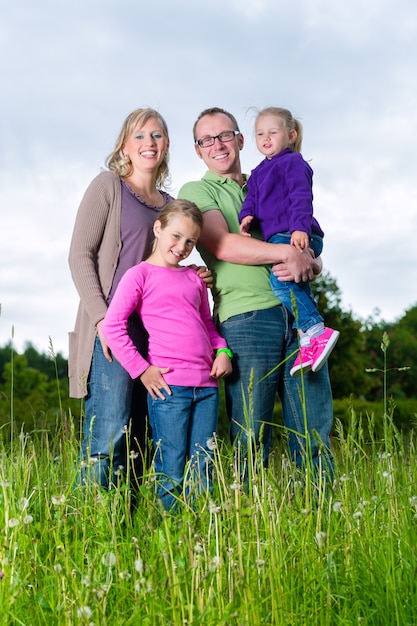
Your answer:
<point x="322" y="347"/>
<point x="303" y="362"/>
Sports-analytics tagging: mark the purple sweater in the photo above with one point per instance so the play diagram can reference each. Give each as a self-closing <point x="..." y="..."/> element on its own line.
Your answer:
<point x="174" y="308"/>
<point x="280" y="195"/>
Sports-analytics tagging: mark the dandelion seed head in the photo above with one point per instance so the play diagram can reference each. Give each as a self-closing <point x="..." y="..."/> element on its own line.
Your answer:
<point x="101" y="591"/>
<point x="235" y="486"/>
<point x="139" y="566"/>
<point x="28" y="519"/>
<point x="109" y="560"/>
<point x="211" y="444"/>
<point x="337" y="507"/>
<point x="13" y="522"/>
<point x="215" y="561"/>
<point x="125" y="575"/>
<point x="58" y="568"/>
<point x="198" y="548"/>
<point x="84" y="612"/>
<point x="357" y="515"/>
<point x="23" y="503"/>
<point x="321" y="537"/>
<point x="59" y="500"/>
<point x="214" y="508"/>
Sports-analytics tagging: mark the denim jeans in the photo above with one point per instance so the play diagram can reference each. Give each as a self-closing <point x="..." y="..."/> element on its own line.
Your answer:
<point x="183" y="425"/>
<point x="260" y="340"/>
<point x="116" y="419"/>
<point x="305" y="311"/>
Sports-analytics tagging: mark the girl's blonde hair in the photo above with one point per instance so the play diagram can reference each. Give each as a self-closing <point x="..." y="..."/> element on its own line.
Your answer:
<point x="182" y="208"/>
<point x="121" y="165"/>
<point x="290" y="123"/>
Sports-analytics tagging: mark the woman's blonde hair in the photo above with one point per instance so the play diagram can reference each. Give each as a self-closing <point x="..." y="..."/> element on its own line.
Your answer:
<point x="121" y="165"/>
<point x="290" y="123"/>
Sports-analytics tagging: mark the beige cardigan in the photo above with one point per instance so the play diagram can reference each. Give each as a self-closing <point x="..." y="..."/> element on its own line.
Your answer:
<point x="93" y="257"/>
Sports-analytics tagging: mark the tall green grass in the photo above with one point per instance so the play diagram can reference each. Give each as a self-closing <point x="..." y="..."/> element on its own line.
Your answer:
<point x="286" y="550"/>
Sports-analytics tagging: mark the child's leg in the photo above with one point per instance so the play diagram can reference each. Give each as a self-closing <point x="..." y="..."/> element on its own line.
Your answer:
<point x="201" y="441"/>
<point x="170" y="419"/>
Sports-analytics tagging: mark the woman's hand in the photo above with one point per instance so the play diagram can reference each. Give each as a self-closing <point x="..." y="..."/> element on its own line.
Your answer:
<point x="154" y="382"/>
<point x="105" y="347"/>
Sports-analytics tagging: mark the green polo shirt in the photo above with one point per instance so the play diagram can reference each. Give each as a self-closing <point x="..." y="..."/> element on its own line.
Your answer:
<point x="238" y="288"/>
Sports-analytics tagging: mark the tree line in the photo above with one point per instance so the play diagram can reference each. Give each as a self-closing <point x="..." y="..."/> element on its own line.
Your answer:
<point x="34" y="386"/>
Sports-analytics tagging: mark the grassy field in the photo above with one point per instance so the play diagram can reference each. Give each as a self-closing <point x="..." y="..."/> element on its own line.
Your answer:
<point x="287" y="551"/>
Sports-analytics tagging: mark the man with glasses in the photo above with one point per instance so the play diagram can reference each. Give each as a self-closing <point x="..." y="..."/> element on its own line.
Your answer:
<point x="258" y="331"/>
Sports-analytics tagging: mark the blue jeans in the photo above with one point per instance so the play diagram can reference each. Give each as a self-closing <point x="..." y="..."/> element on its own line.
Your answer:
<point x="183" y="425"/>
<point x="116" y="418"/>
<point x="260" y="340"/>
<point x="305" y="314"/>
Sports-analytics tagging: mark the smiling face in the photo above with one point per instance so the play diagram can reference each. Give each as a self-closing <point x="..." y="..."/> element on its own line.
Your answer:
<point x="175" y="241"/>
<point x="147" y="146"/>
<point x="272" y="137"/>
<point x="220" y="158"/>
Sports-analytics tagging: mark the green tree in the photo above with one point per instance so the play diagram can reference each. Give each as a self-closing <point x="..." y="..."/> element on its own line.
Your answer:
<point x="347" y="363"/>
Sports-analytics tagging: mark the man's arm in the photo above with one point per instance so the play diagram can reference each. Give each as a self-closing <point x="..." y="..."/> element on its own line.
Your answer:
<point x="235" y="248"/>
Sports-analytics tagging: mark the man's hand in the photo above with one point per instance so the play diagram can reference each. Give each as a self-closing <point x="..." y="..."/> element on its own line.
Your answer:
<point x="298" y="267"/>
<point x="205" y="275"/>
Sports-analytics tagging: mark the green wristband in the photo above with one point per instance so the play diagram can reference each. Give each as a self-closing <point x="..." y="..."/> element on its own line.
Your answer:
<point x="226" y="351"/>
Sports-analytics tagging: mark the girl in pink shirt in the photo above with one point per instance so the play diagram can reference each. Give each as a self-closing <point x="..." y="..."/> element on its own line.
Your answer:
<point x="186" y="354"/>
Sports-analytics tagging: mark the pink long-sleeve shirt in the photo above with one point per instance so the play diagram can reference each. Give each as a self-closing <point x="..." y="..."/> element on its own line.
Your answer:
<point x="174" y="308"/>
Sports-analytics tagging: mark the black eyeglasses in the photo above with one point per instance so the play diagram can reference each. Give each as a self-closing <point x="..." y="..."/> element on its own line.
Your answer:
<point x="224" y="137"/>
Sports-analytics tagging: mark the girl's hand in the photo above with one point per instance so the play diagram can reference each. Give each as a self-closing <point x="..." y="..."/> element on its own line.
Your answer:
<point x="245" y="225"/>
<point x="154" y="382"/>
<point x="105" y="347"/>
<point x="300" y="240"/>
<point x="222" y="366"/>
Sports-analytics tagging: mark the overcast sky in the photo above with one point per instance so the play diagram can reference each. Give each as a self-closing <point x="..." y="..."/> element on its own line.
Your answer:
<point x="72" y="70"/>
